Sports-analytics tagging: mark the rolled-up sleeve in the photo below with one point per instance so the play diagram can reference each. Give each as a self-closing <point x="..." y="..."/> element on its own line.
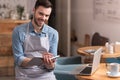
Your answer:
<point x="54" y="43"/>
<point x="17" y="46"/>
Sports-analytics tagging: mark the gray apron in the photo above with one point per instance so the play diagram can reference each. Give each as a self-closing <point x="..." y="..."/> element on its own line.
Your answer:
<point x="34" y="47"/>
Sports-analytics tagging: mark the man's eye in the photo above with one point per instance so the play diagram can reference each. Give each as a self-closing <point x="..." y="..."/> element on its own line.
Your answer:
<point x="41" y="13"/>
<point x="47" y="15"/>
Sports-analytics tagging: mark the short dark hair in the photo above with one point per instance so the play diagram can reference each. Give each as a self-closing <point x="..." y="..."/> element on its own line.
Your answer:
<point x="45" y="3"/>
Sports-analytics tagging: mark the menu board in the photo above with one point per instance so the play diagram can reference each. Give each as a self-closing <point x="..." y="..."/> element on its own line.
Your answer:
<point x="107" y="10"/>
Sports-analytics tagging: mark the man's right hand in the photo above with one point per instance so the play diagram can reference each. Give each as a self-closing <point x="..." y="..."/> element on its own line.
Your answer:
<point x="25" y="62"/>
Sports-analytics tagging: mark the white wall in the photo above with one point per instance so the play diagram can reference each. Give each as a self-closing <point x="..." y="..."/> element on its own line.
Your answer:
<point x="83" y="22"/>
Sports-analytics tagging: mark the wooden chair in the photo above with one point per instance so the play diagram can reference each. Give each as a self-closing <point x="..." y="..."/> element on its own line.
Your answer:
<point x="98" y="40"/>
<point x="87" y="40"/>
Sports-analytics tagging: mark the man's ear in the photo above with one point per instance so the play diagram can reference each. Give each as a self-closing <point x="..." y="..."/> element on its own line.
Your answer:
<point x="33" y="10"/>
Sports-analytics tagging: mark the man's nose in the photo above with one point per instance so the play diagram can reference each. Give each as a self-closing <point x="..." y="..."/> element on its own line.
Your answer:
<point x="43" y="17"/>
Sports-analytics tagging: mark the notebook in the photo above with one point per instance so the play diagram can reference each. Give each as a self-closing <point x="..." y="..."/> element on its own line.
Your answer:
<point x="38" y="61"/>
<point x="89" y="69"/>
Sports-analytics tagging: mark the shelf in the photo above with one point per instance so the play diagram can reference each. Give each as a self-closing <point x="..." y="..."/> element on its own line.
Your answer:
<point x="13" y="21"/>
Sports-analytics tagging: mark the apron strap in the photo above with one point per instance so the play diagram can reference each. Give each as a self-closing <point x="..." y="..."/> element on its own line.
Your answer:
<point x="27" y="29"/>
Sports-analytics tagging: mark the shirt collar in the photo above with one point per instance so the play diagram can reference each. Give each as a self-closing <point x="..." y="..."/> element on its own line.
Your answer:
<point x="44" y="29"/>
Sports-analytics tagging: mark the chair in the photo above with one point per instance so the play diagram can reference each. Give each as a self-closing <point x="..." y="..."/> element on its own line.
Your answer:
<point x="87" y="40"/>
<point x="64" y="65"/>
<point x="98" y="40"/>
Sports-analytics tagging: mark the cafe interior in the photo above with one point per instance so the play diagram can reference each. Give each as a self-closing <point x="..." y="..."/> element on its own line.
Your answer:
<point x="84" y="26"/>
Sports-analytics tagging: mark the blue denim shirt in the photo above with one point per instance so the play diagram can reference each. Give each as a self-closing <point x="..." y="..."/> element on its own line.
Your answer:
<point x="18" y="37"/>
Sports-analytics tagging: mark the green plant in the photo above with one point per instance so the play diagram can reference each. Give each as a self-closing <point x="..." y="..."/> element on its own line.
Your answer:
<point x="20" y="10"/>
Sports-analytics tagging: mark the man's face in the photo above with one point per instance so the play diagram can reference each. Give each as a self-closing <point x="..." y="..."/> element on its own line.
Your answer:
<point x="41" y="15"/>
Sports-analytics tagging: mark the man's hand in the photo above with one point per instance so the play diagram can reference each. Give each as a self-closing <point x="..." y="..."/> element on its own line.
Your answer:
<point x="25" y="62"/>
<point x="49" y="63"/>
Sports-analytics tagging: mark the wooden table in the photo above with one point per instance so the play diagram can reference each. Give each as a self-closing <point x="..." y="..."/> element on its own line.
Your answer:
<point x="81" y="51"/>
<point x="100" y="74"/>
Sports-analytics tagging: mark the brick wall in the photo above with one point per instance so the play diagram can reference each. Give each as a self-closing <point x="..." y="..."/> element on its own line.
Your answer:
<point x="5" y="45"/>
<point x="6" y="28"/>
<point x="6" y="55"/>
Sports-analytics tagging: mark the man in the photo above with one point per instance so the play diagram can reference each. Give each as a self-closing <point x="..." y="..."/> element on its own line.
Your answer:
<point x="35" y="39"/>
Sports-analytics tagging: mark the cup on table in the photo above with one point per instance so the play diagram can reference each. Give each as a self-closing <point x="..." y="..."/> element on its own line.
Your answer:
<point x="113" y="68"/>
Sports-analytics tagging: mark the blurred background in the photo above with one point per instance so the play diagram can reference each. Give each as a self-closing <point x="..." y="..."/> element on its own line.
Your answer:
<point x="72" y="18"/>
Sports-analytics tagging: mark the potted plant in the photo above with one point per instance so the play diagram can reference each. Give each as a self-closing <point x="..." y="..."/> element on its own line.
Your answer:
<point x="20" y="10"/>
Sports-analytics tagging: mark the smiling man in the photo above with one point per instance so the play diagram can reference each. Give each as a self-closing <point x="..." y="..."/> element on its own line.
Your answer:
<point x="35" y="39"/>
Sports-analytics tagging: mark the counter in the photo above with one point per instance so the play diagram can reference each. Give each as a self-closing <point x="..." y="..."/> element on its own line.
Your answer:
<point x="7" y="25"/>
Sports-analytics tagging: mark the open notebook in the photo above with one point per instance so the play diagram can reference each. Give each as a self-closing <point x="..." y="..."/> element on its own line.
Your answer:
<point x="38" y="60"/>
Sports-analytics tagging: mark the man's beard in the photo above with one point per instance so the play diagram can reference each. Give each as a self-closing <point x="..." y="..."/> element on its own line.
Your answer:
<point x="35" y="21"/>
<point x="37" y="24"/>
